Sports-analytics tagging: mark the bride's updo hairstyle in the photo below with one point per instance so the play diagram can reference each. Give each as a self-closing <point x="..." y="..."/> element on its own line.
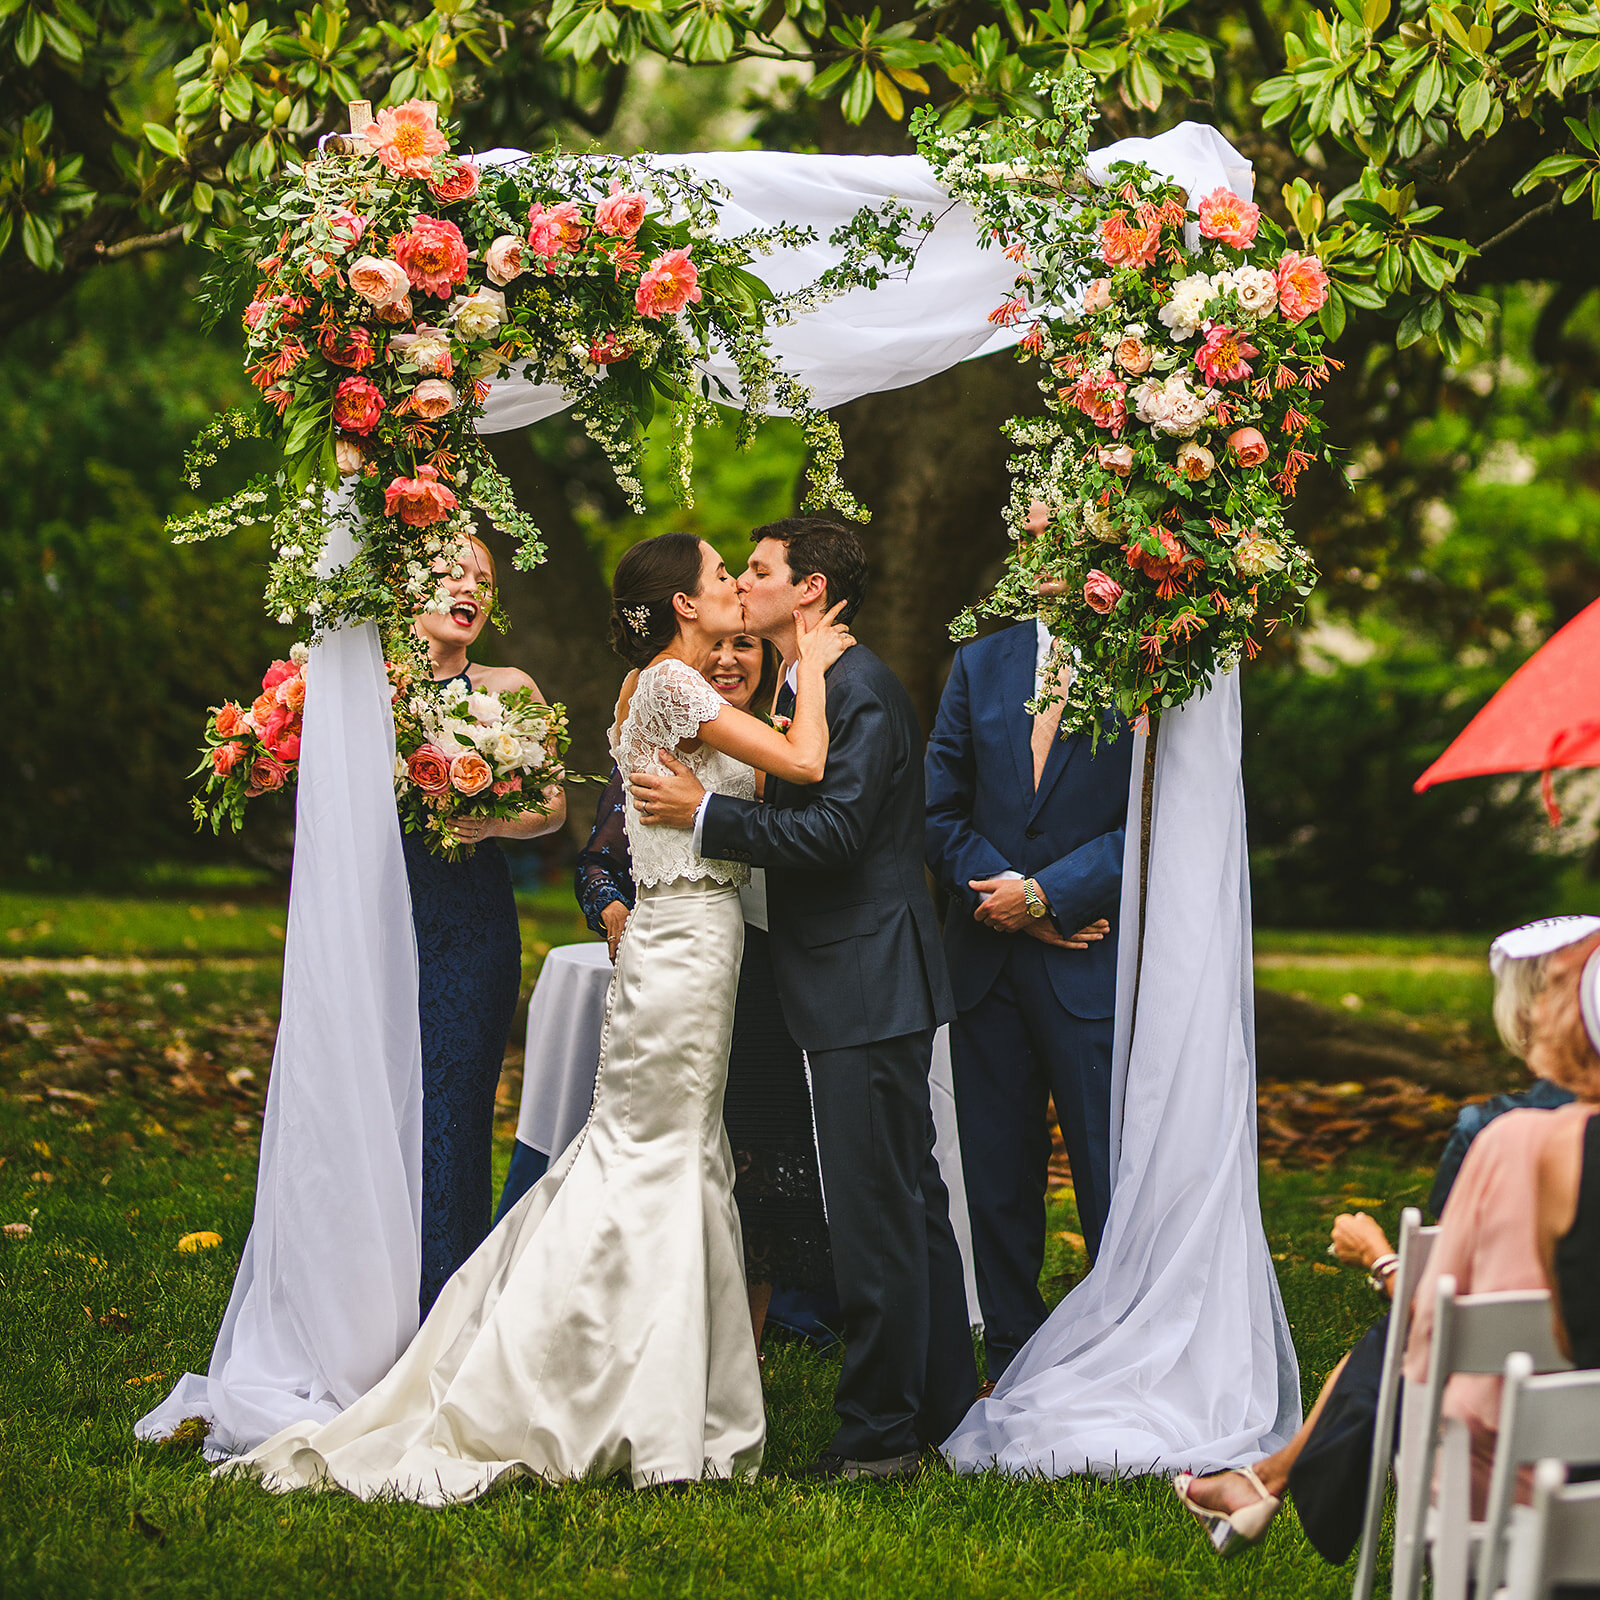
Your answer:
<point x="643" y="622"/>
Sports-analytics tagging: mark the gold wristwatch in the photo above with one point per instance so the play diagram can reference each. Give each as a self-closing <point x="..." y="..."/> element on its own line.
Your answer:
<point x="1033" y="900"/>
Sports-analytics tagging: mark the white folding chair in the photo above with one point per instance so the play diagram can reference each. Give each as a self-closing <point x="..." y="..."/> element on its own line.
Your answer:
<point x="1414" y="1247"/>
<point x="1558" y="1540"/>
<point x="1473" y="1333"/>
<point x="1556" y="1416"/>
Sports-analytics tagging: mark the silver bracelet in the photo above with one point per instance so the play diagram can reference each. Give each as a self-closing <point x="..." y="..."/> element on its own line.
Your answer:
<point x="1381" y="1270"/>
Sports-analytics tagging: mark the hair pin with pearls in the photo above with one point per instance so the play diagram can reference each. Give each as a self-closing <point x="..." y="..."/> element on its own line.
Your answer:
<point x="638" y="618"/>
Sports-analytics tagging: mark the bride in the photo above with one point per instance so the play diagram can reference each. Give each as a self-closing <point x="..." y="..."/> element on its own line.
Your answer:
<point x="603" y="1326"/>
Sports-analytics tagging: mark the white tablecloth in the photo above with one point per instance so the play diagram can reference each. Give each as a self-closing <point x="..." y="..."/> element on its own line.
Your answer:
<point x="565" y="1017"/>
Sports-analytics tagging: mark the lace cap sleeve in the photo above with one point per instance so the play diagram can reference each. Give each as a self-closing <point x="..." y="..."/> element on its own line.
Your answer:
<point x="677" y="700"/>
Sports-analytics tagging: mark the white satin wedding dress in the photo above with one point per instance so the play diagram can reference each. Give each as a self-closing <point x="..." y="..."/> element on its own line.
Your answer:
<point x="604" y="1326"/>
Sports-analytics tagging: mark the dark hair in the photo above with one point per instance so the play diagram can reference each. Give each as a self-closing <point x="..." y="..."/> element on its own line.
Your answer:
<point x="643" y="622"/>
<point x="771" y="675"/>
<point x="813" y="544"/>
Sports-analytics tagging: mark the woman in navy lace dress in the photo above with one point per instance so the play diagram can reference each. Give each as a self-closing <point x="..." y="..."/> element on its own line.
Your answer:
<point x="767" y="1107"/>
<point x="469" y="960"/>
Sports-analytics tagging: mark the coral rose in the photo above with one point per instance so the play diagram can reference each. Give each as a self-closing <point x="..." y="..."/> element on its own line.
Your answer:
<point x="429" y="769"/>
<point x="1097" y="296"/>
<point x="1099" y="397"/>
<point x="267" y="774"/>
<point x="378" y="281"/>
<point x="459" y="183"/>
<point x="470" y="774"/>
<point x="1302" y="286"/>
<point x="418" y="501"/>
<point x="433" y="254"/>
<point x="1117" y="458"/>
<point x="225" y="757"/>
<point x="1228" y="219"/>
<point x="620" y="214"/>
<point x="357" y="405"/>
<point x="671" y="282"/>
<point x="407" y="138"/>
<point x="230" y="719"/>
<point x="1101" y="591"/>
<point x="1247" y="447"/>
<point x="555" y="232"/>
<point x="346" y="228"/>
<point x="1133" y="355"/>
<point x="434" y="398"/>
<point x="1224" y="356"/>
<point x="1195" y="462"/>
<point x="348" y="456"/>
<point x="504" y="259"/>
<point x="347" y="347"/>
<point x="397" y="312"/>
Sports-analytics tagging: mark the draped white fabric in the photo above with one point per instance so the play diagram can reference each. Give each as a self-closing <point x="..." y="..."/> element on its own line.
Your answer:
<point x="325" y="1299"/>
<point x="326" y="1296"/>
<point x="1174" y="1353"/>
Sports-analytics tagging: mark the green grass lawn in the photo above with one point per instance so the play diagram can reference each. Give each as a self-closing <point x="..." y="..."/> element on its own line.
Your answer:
<point x="150" y="1134"/>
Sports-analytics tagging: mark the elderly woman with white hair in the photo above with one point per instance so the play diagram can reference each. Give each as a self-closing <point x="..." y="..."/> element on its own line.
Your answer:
<point x="1525" y="1200"/>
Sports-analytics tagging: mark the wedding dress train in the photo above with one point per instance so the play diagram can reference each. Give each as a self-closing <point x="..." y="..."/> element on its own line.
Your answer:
<point x="603" y="1326"/>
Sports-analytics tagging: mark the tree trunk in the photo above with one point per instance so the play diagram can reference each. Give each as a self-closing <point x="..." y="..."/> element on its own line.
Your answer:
<point x="560" y="612"/>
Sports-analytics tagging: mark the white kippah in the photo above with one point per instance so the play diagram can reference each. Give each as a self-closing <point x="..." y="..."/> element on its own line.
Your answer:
<point x="1540" y="938"/>
<point x="1589" y="997"/>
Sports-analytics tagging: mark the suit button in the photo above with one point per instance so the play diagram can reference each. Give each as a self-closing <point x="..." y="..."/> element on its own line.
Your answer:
<point x="1030" y="833"/>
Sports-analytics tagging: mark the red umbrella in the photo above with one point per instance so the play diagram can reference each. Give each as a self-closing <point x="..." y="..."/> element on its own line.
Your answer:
<point x="1546" y="715"/>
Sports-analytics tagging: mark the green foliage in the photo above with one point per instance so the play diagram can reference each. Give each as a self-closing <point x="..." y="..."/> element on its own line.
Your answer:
<point x="112" y="640"/>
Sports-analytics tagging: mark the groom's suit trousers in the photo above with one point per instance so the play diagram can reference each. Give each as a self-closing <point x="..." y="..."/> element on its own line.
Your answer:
<point x="908" y="1371"/>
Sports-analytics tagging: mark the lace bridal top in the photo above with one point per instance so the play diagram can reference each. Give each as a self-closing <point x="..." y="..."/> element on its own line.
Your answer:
<point x="670" y="702"/>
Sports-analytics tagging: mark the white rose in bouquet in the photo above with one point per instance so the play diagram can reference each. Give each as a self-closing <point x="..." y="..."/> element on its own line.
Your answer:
<point x="1256" y="288"/>
<point x="1184" y="312"/>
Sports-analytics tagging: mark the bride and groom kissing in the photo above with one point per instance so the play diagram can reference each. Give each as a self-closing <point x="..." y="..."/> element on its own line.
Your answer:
<point x="603" y="1326"/>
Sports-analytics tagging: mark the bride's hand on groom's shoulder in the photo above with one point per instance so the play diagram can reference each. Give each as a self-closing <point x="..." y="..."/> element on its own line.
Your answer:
<point x="670" y="800"/>
<point x="824" y="641"/>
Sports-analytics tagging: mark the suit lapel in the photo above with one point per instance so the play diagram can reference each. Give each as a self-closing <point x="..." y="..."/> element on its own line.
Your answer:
<point x="1061" y="752"/>
<point x="1016" y="690"/>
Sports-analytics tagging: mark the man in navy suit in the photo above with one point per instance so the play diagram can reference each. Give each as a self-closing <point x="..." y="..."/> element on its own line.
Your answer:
<point x="1025" y="834"/>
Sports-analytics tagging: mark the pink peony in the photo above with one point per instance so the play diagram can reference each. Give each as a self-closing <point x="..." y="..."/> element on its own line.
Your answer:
<point x="1117" y="458"/>
<point x="278" y="672"/>
<point x="504" y="259"/>
<point x="357" y="405"/>
<point x="429" y="769"/>
<point x="1223" y="358"/>
<point x="287" y="748"/>
<point x="1247" y="447"/>
<point x="1097" y="296"/>
<point x="407" y="138"/>
<point x="1101" y="592"/>
<point x="668" y="286"/>
<point x="555" y="232"/>
<point x="225" y="757"/>
<point x="619" y="214"/>
<point x="346" y="228"/>
<point x="433" y="254"/>
<point x="1302" y="286"/>
<point x="378" y="281"/>
<point x="1100" y="397"/>
<point x="434" y="398"/>
<point x="1228" y="219"/>
<point x="347" y="347"/>
<point x="470" y="774"/>
<point x="418" y="501"/>
<point x="460" y="182"/>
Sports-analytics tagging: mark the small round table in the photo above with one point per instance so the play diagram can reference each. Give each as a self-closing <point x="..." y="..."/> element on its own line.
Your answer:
<point x="565" y="1016"/>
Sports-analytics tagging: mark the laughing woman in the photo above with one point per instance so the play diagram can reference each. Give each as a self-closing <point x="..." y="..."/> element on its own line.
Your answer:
<point x="469" y="958"/>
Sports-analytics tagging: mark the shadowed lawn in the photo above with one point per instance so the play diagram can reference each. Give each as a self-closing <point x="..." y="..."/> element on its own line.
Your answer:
<point x="151" y="1139"/>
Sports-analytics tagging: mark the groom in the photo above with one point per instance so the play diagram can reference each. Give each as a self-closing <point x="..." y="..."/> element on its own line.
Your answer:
<point x="862" y="979"/>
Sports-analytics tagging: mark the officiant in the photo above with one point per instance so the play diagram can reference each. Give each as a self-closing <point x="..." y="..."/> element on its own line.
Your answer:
<point x="1025" y="835"/>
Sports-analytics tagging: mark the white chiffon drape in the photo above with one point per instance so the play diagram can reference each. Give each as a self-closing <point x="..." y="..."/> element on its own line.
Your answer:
<point x="326" y="1294"/>
<point x="1174" y="1354"/>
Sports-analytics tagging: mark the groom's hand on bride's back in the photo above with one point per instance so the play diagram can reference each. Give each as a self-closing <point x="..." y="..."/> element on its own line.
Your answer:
<point x="670" y="800"/>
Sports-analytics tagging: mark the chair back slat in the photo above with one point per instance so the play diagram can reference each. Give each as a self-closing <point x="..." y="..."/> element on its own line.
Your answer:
<point x="1485" y="1328"/>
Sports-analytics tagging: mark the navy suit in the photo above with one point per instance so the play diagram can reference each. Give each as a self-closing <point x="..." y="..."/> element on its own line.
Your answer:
<point x="1034" y="1022"/>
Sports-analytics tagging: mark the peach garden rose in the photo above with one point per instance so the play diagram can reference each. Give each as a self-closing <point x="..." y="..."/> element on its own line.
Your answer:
<point x="470" y="774"/>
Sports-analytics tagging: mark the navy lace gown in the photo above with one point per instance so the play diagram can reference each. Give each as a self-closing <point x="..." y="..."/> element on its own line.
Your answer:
<point x="469" y="966"/>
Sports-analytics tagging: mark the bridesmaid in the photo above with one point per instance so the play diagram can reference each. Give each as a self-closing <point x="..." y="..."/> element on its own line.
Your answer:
<point x="469" y="958"/>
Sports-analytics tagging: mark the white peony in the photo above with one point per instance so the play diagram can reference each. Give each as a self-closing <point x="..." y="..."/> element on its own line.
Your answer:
<point x="1098" y="525"/>
<point x="483" y="706"/>
<point x="1172" y="407"/>
<point x="1256" y="555"/>
<point x="1256" y="288"/>
<point x="479" y="315"/>
<point x="1182" y="314"/>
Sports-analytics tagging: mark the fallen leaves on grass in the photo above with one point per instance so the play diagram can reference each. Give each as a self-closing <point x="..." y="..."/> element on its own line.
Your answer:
<point x="17" y="1230"/>
<point x="192" y="1242"/>
<point x="1313" y="1125"/>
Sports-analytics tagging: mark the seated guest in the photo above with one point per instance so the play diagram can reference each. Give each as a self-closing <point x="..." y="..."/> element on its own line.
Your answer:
<point x="1489" y="1240"/>
<point x="767" y="1104"/>
<point x="1025" y="836"/>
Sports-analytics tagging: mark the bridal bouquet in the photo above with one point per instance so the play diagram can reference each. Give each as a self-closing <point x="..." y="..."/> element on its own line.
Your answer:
<point x="1180" y="355"/>
<point x="462" y="752"/>
<point x="252" y="752"/>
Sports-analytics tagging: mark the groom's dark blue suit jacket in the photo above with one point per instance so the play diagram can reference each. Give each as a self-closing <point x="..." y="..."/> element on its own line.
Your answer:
<point x="984" y="818"/>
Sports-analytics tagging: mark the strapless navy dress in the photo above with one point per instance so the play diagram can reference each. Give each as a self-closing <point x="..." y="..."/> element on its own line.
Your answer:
<point x="469" y="966"/>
